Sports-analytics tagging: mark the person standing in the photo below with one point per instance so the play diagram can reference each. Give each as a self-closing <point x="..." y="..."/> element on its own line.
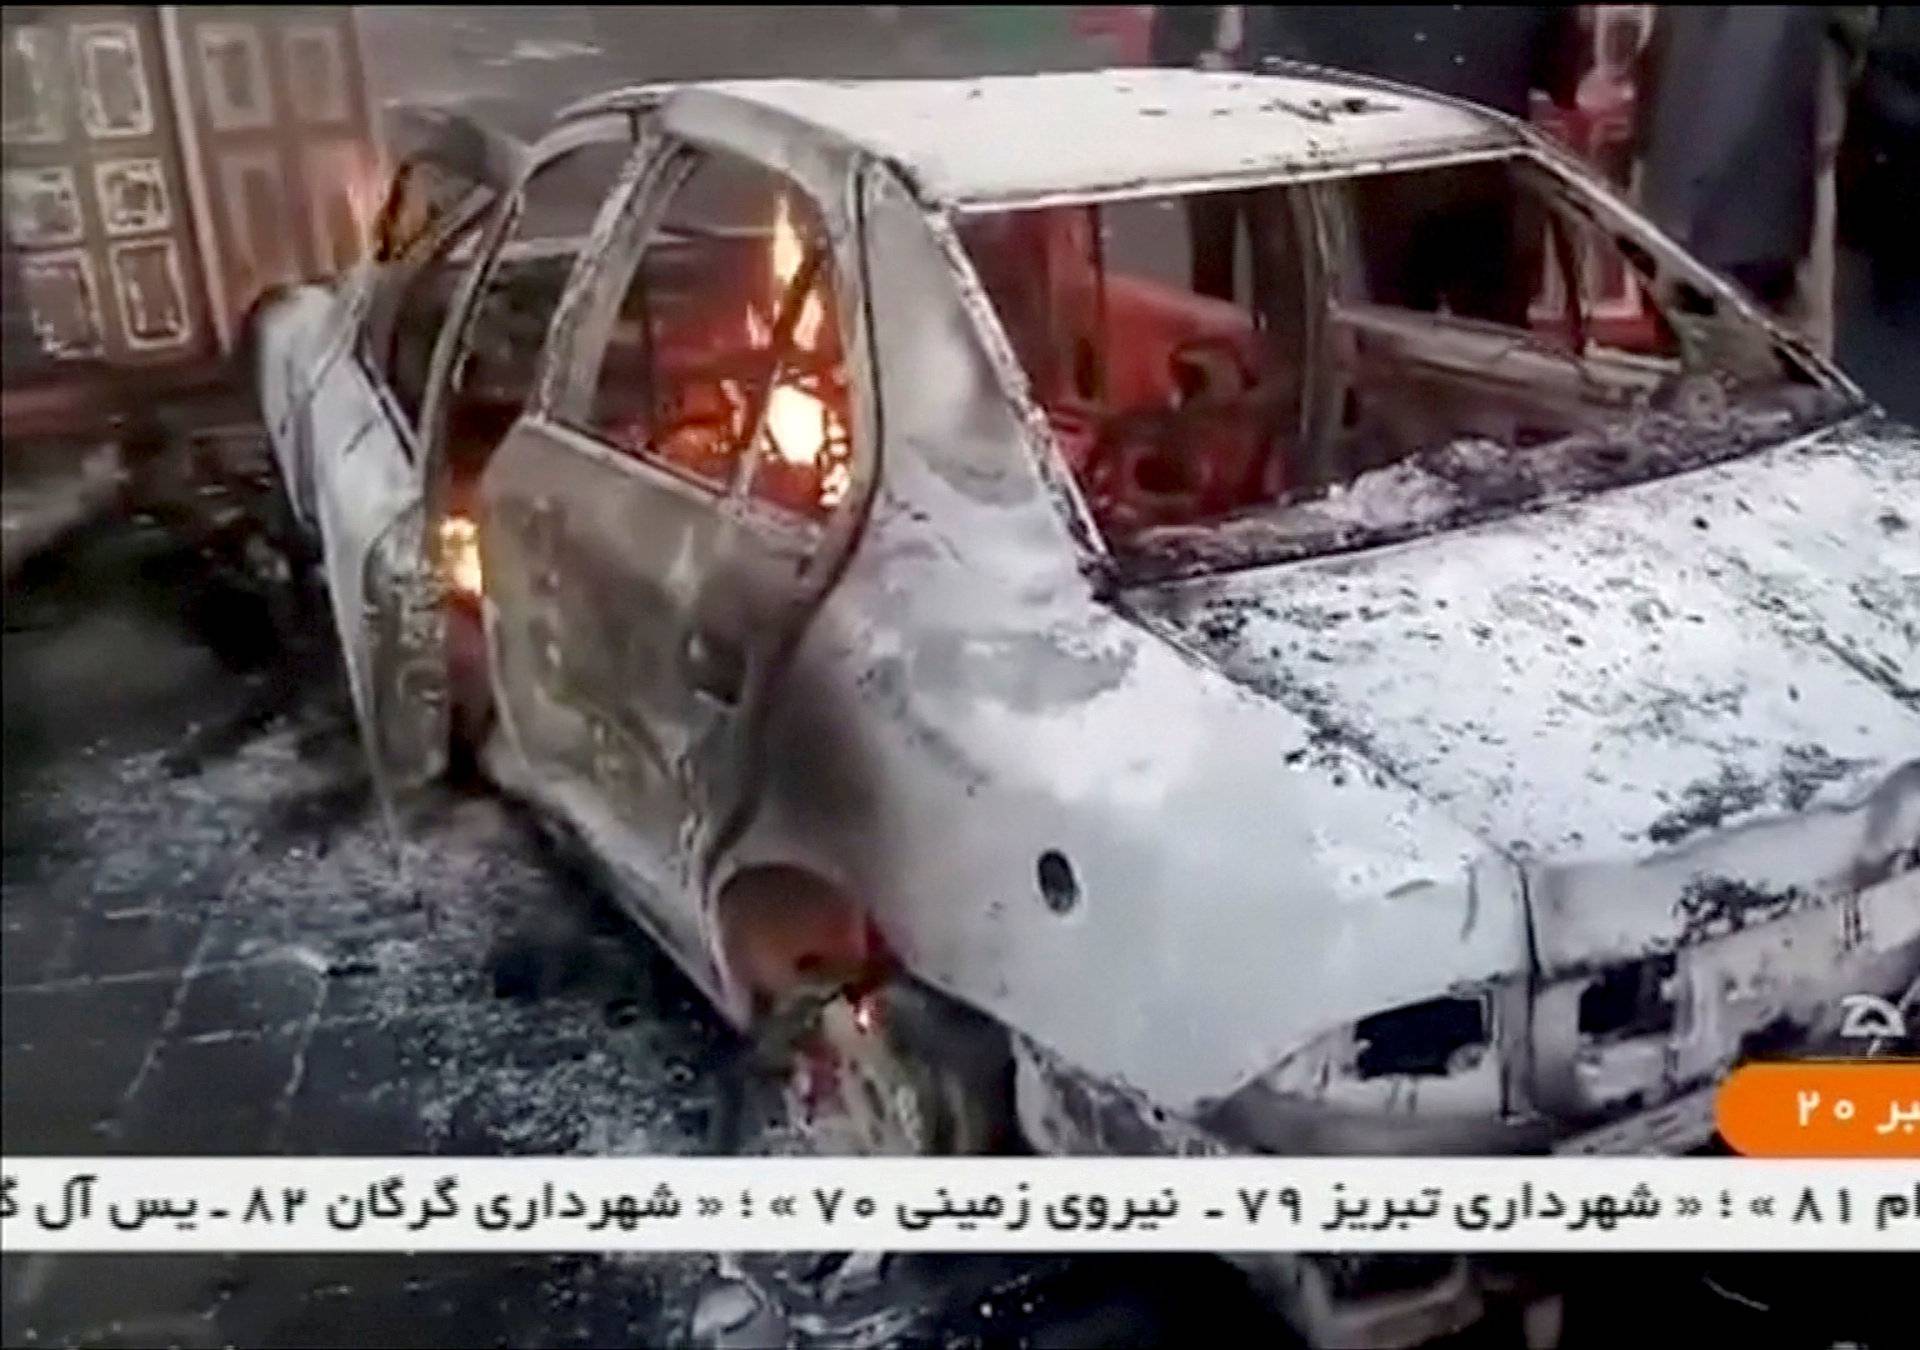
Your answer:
<point x="1883" y="153"/>
<point x="1742" y="110"/>
<point x="1207" y="37"/>
<point x="1463" y="238"/>
<point x="1185" y="36"/>
<point x="1493" y="55"/>
<point x="1843" y="59"/>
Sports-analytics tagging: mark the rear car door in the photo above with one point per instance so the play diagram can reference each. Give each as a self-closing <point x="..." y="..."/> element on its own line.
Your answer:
<point x="656" y="529"/>
<point x="361" y="432"/>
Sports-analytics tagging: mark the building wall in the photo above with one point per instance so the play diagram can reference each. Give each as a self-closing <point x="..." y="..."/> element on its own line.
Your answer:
<point x="276" y="119"/>
<point x="96" y="202"/>
<point x="163" y="165"/>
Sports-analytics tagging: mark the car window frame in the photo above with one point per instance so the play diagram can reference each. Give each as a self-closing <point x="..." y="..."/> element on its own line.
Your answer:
<point x="1560" y="172"/>
<point x="1092" y="546"/>
<point x="387" y="283"/>
<point x="496" y="238"/>
<point x="630" y="222"/>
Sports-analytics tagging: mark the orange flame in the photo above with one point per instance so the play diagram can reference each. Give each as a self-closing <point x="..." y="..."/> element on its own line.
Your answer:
<point x="787" y="256"/>
<point x="460" y="554"/>
<point x="799" y="423"/>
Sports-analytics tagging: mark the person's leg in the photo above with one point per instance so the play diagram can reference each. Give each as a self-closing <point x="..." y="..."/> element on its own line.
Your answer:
<point x="1475" y="247"/>
<point x="1770" y="284"/>
<point x="1500" y="247"/>
<point x="1213" y="221"/>
<point x="1811" y="309"/>
<point x="1394" y="227"/>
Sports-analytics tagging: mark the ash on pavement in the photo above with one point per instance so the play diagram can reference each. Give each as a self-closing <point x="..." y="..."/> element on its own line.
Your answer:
<point x="223" y="952"/>
<point x="213" y="945"/>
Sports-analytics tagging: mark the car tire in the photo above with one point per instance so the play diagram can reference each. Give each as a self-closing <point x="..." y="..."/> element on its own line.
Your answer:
<point x="938" y="1078"/>
<point x="926" y="1077"/>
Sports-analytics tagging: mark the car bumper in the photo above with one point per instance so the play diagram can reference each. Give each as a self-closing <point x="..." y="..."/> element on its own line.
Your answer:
<point x="1757" y="980"/>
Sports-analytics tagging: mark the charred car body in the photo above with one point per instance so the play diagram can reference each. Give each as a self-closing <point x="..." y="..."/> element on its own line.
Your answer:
<point x="1449" y="716"/>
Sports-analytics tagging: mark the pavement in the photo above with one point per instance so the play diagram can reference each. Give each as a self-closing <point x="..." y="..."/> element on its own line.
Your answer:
<point x="51" y="489"/>
<point x="212" y="946"/>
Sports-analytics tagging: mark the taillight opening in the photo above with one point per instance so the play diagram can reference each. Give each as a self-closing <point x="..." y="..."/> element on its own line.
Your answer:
<point x="460" y="556"/>
<point x="1629" y="1000"/>
<point x="1429" y="1039"/>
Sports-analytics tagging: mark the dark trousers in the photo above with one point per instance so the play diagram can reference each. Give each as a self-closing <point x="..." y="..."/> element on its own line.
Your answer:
<point x="1771" y="284"/>
<point x="1463" y="238"/>
<point x="1214" y="221"/>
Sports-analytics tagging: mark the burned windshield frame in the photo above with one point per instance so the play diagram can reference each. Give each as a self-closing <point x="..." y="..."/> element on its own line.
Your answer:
<point x="1125" y="332"/>
<point x="642" y="218"/>
<point x="1724" y="340"/>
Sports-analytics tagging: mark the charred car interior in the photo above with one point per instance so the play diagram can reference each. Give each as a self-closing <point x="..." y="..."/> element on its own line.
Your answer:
<point x="1310" y="336"/>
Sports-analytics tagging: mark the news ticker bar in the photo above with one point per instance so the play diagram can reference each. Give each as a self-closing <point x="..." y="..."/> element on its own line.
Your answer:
<point x="568" y="1204"/>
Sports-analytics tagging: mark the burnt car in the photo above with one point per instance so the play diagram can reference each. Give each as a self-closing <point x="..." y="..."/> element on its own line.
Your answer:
<point x="1443" y="680"/>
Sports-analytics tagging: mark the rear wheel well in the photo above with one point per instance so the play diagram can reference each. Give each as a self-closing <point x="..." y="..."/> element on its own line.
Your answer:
<point x="779" y="928"/>
<point x="783" y="932"/>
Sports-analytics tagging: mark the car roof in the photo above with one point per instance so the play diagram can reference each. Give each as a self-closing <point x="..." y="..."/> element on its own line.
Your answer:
<point x="1027" y="138"/>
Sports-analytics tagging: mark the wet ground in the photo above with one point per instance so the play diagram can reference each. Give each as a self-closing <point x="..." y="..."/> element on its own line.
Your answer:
<point x="211" y="946"/>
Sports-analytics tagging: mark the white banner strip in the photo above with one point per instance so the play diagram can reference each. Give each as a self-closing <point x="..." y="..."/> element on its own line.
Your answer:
<point x="956" y="1204"/>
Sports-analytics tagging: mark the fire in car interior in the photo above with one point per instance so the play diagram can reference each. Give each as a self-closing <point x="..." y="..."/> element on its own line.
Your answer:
<point x="1197" y="373"/>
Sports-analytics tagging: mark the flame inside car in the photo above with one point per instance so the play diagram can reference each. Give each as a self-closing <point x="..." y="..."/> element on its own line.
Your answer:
<point x="804" y="429"/>
<point x="798" y="424"/>
<point x="787" y="257"/>
<point x="460" y="555"/>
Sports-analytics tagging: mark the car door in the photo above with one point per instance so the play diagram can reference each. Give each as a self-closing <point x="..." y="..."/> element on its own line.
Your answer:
<point x="659" y="525"/>
<point x="362" y="423"/>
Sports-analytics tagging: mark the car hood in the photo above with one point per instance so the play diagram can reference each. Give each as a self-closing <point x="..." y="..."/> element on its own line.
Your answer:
<point x="1671" y="704"/>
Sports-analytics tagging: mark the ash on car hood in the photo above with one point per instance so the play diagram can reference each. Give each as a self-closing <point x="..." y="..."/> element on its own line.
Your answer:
<point x="1715" y="676"/>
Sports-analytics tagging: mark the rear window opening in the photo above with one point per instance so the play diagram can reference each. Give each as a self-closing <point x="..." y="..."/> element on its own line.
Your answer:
<point x="1285" y="370"/>
<point x="726" y="361"/>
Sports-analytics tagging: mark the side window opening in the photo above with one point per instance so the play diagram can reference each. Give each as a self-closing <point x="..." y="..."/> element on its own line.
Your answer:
<point x="497" y="368"/>
<point x="1481" y="306"/>
<point x="1164" y="340"/>
<point x="424" y="198"/>
<point x="725" y="365"/>
<point x="420" y="312"/>
<point x="424" y="236"/>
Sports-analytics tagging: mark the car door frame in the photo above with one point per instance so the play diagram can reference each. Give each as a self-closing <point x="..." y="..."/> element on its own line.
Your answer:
<point x="381" y="569"/>
<point x="721" y="773"/>
<point x="555" y="145"/>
